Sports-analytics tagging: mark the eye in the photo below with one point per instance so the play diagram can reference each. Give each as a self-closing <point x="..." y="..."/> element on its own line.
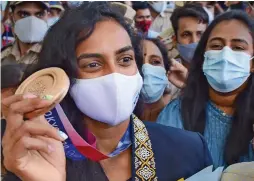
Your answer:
<point x="185" y="34"/>
<point x="238" y="48"/>
<point x="93" y="65"/>
<point x="140" y="17"/>
<point x="155" y="62"/>
<point x="23" y="14"/>
<point x="125" y="61"/>
<point x="199" y="34"/>
<point x="216" y="46"/>
<point x="40" y="14"/>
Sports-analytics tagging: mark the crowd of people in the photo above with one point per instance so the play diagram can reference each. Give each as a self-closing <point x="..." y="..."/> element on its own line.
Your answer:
<point x="158" y="90"/>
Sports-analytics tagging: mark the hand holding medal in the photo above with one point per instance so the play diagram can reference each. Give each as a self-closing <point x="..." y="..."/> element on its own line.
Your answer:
<point x="33" y="149"/>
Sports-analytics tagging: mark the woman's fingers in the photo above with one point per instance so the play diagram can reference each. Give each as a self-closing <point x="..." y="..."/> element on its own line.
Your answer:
<point x="21" y="148"/>
<point x="176" y="66"/>
<point x="30" y="143"/>
<point x="28" y="105"/>
<point x="31" y="129"/>
<point x="35" y="129"/>
<point x="14" y="98"/>
<point x="18" y="105"/>
<point x="24" y="103"/>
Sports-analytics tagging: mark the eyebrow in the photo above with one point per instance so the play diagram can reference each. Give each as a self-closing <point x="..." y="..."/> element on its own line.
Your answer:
<point x="233" y="40"/>
<point x="124" y="49"/>
<point x="216" y="38"/>
<point x="97" y="55"/>
<point x="240" y="41"/>
<point x="24" y="11"/>
<point x="155" y="56"/>
<point x="89" y="55"/>
<point x="186" y="31"/>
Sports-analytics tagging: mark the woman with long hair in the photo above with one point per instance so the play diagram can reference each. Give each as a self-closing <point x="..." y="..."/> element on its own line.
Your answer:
<point x="161" y="77"/>
<point x="218" y="100"/>
<point x="155" y="93"/>
<point x="97" y="50"/>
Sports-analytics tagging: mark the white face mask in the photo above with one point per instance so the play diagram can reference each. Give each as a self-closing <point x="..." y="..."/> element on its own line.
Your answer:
<point x="110" y="99"/>
<point x="52" y="21"/>
<point x="30" y="29"/>
<point x="159" y="7"/>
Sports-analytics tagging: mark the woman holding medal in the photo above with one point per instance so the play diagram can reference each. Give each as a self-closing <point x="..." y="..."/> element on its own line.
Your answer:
<point x="97" y="50"/>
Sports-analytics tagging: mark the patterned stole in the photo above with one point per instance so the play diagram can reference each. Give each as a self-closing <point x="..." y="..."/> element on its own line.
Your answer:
<point x="143" y="164"/>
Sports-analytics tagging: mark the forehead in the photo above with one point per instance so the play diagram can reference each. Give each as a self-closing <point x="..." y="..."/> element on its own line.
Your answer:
<point x="190" y="24"/>
<point x="107" y="36"/>
<point x="29" y="7"/>
<point x="238" y="30"/>
<point x="151" y="49"/>
<point x="143" y="12"/>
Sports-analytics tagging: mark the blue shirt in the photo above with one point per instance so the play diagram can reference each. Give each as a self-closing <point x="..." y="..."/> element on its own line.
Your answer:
<point x="217" y="128"/>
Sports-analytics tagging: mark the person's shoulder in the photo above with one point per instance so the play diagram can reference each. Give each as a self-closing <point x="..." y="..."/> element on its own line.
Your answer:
<point x="174" y="137"/>
<point x="6" y="50"/>
<point x="174" y="146"/>
<point x="173" y="106"/>
<point x="171" y="114"/>
<point x="174" y="134"/>
<point x="165" y="15"/>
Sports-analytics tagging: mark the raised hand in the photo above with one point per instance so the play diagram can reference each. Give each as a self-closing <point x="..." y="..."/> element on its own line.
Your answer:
<point x="32" y="149"/>
<point x="177" y="74"/>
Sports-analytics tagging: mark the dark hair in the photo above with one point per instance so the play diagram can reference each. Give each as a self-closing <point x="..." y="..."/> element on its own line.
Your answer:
<point x="75" y="26"/>
<point x="137" y="5"/>
<point x="239" y="6"/>
<point x="138" y="111"/>
<point x="11" y="75"/>
<point x="188" y="10"/>
<point x="163" y="51"/>
<point x="196" y="96"/>
<point x="212" y="3"/>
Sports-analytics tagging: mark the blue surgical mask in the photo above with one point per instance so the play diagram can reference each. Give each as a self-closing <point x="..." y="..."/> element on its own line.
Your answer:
<point x="187" y="51"/>
<point x="226" y="70"/>
<point x="155" y="82"/>
<point x="52" y="21"/>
